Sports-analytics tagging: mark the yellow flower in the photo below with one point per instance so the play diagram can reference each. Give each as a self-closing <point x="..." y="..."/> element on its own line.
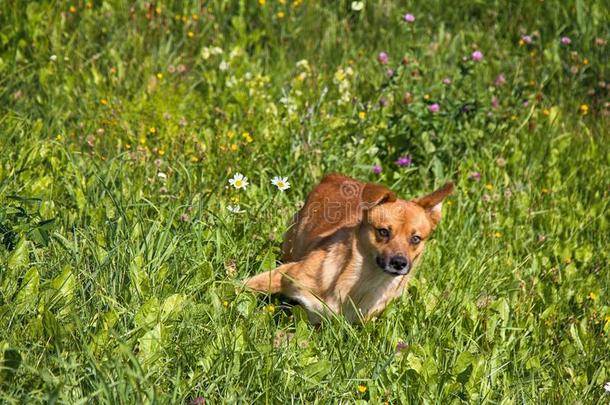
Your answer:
<point x="152" y="130"/>
<point x="585" y="61"/>
<point x="247" y="137"/>
<point x="361" y="388"/>
<point x="513" y="117"/>
<point x="270" y="308"/>
<point x="230" y="134"/>
<point x="340" y="75"/>
<point x="59" y="137"/>
<point x="282" y="2"/>
<point x="161" y="152"/>
<point x="159" y="75"/>
<point x="190" y="34"/>
<point x="362" y="115"/>
<point x="225" y="303"/>
<point x="607" y="318"/>
<point x="233" y="147"/>
<point x="72" y="9"/>
<point x="592" y="296"/>
<point x="142" y="140"/>
<point x="584" y="109"/>
<point x="521" y="42"/>
<point x="195" y="17"/>
<point x="262" y="2"/>
<point x="426" y="96"/>
<point x="489" y="186"/>
<point x="104" y="101"/>
<point x="194" y="159"/>
<point x="184" y="19"/>
<point x="158" y="10"/>
<point x="235" y="199"/>
<point x="280" y="14"/>
<point x="128" y="146"/>
<point x="497" y="235"/>
<point x="546" y="112"/>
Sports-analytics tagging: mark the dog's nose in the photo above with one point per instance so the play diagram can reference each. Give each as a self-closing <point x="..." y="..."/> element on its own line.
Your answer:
<point x="399" y="263"/>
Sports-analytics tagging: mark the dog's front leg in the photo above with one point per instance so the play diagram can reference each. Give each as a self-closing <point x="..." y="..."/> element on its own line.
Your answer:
<point x="270" y="281"/>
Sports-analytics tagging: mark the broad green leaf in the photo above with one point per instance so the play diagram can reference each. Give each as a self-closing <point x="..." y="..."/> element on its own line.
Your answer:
<point x="27" y="296"/>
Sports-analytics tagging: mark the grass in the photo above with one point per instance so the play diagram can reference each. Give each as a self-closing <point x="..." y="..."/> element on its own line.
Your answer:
<point x="120" y="262"/>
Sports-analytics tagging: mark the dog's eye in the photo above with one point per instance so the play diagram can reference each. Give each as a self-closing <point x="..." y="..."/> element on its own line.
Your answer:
<point x="383" y="232"/>
<point x="415" y="240"/>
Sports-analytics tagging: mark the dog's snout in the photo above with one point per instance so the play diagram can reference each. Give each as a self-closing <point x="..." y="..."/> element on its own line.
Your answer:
<point x="399" y="263"/>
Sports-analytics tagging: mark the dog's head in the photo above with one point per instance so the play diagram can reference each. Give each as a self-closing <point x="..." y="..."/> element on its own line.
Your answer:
<point x="393" y="232"/>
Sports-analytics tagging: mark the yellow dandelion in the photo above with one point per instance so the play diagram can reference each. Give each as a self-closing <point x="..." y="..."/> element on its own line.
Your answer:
<point x="104" y="101"/>
<point x="584" y="109"/>
<point x="59" y="137"/>
<point x="230" y="134"/>
<point x="235" y="199"/>
<point x="280" y="14"/>
<point x="152" y="130"/>
<point x="72" y="9"/>
<point x="233" y="147"/>
<point x="426" y="96"/>
<point x="247" y="137"/>
<point x="521" y="42"/>
<point x="159" y="75"/>
<point x="262" y="2"/>
<point x="592" y="296"/>
<point x="190" y="34"/>
<point x="497" y="235"/>
<point x="585" y="61"/>
<point x="128" y="146"/>
<point x="362" y="115"/>
<point x="488" y="186"/>
<point x="142" y="140"/>
<point x="361" y="388"/>
<point x="161" y="152"/>
<point x="225" y="303"/>
<point x="194" y="159"/>
<point x="270" y="308"/>
<point x="158" y="10"/>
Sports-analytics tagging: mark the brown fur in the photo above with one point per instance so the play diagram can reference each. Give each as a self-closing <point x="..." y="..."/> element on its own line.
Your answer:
<point x="336" y="259"/>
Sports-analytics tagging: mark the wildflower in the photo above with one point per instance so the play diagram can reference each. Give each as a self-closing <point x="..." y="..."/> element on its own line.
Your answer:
<point x="160" y="76"/>
<point x="281" y="183"/>
<point x="223" y="66"/>
<point x="477" y="56"/>
<point x="526" y="103"/>
<point x="262" y="2"/>
<point x="361" y="388"/>
<point x="584" y="109"/>
<point x="280" y="14"/>
<point x="488" y="186"/>
<point x="500" y="80"/>
<point x="247" y="137"/>
<point x="494" y="102"/>
<point x="158" y="162"/>
<point x="104" y="101"/>
<point x="152" y="130"/>
<point x="190" y="34"/>
<point x="235" y="209"/>
<point x="383" y="58"/>
<point x="497" y="234"/>
<point x="239" y="181"/>
<point x="72" y="9"/>
<point x="198" y="400"/>
<point x="526" y="39"/>
<point x="389" y="72"/>
<point x="270" y="308"/>
<point x="53" y="58"/>
<point x="409" y="18"/>
<point x="434" y="108"/>
<point x="607" y="386"/>
<point x="592" y="296"/>
<point x="362" y="115"/>
<point x="376" y="169"/>
<point x="401" y="345"/>
<point x="585" y="61"/>
<point x="162" y="176"/>
<point x="404" y="161"/>
<point x="357" y="5"/>
<point x="476" y="176"/>
<point x="383" y="102"/>
<point x="566" y="41"/>
<point x="446" y="81"/>
<point x="234" y="147"/>
<point x="184" y="217"/>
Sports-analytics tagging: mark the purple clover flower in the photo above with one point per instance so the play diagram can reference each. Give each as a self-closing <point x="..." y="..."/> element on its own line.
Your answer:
<point x="477" y="56"/>
<point x="376" y="169"/>
<point x="566" y="40"/>
<point x="500" y="80"/>
<point x="446" y="81"/>
<point x="527" y="39"/>
<point x="434" y="108"/>
<point x="476" y="176"/>
<point x="404" y="161"/>
<point x="383" y="58"/>
<point x="410" y="18"/>
<point x="389" y="72"/>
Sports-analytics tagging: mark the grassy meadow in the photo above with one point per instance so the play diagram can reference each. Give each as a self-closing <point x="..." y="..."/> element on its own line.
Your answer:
<point x="122" y="242"/>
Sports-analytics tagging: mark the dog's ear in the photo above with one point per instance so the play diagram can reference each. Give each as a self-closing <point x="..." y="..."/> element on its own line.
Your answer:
<point x="375" y="194"/>
<point x="433" y="202"/>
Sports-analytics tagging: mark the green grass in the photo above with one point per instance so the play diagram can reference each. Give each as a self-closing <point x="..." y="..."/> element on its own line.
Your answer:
<point x="118" y="285"/>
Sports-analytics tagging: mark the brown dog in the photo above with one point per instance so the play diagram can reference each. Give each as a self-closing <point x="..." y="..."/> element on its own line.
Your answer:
<point x="352" y="247"/>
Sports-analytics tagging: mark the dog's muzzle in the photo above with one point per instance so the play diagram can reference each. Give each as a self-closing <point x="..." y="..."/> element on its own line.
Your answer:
<point x="398" y="265"/>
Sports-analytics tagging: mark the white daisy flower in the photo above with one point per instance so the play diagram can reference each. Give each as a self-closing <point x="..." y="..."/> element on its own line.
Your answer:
<point x="239" y="181"/>
<point x="607" y="386"/>
<point x="357" y="5"/>
<point x="281" y="183"/>
<point x="235" y="209"/>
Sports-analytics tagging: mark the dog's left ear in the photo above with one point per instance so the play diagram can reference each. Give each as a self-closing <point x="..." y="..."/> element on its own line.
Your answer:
<point x="433" y="202"/>
<point x="375" y="194"/>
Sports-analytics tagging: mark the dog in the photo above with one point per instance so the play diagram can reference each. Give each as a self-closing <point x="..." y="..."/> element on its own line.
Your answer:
<point x="352" y="248"/>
